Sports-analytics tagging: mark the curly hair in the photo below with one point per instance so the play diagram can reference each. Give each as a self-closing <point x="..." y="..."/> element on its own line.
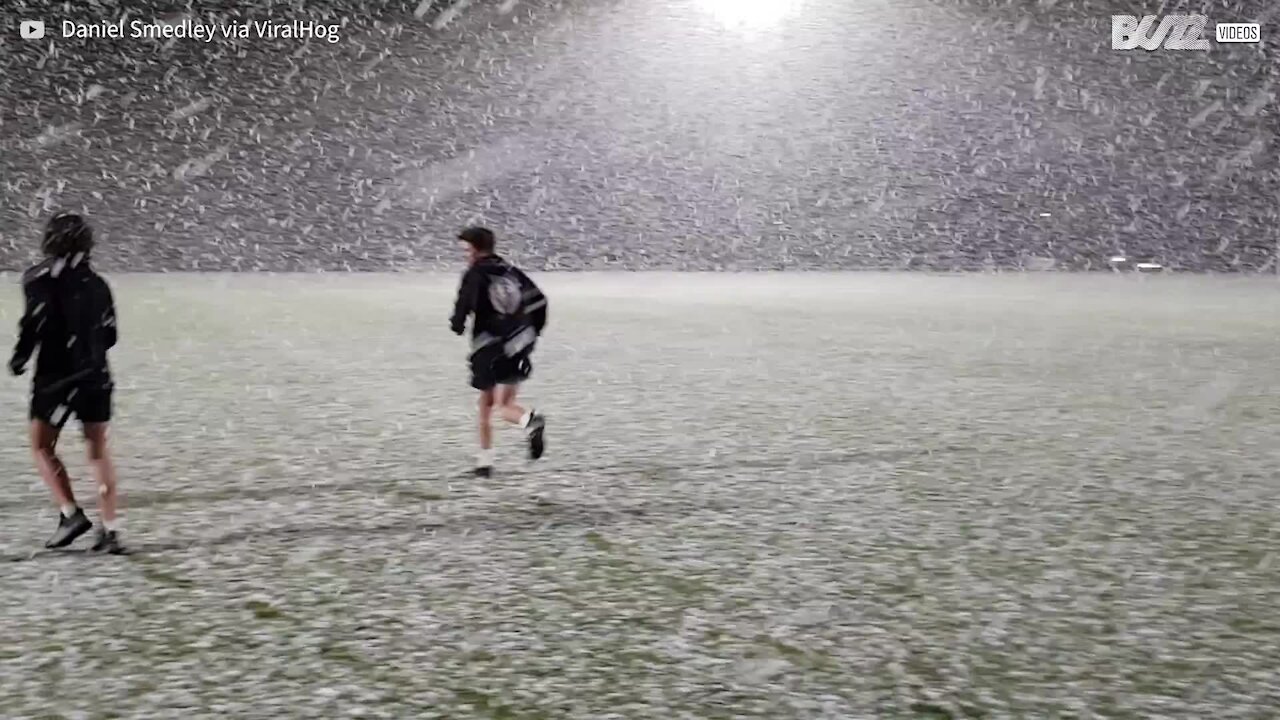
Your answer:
<point x="67" y="234"/>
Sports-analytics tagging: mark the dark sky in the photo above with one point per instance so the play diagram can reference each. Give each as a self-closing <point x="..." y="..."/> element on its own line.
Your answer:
<point x="631" y="134"/>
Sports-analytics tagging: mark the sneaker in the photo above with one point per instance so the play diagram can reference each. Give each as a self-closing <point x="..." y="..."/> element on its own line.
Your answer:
<point x="484" y="472"/>
<point x="108" y="541"/>
<point x="69" y="528"/>
<point x="537" y="431"/>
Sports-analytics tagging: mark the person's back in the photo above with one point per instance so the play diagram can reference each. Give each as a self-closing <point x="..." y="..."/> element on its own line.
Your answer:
<point x="504" y="303"/>
<point x="74" y="322"/>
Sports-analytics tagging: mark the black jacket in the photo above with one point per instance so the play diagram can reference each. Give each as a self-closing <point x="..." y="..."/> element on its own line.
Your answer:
<point x="71" y="317"/>
<point x="506" y="306"/>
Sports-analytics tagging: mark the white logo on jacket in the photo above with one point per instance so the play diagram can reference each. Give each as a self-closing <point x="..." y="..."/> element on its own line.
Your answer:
<point x="505" y="294"/>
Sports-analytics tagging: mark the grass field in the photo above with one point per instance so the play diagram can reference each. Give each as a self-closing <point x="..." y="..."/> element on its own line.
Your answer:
<point x="804" y="496"/>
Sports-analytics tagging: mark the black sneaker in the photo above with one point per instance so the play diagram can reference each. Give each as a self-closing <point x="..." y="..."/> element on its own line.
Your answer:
<point x="537" y="431"/>
<point x="108" y="542"/>
<point x="69" y="528"/>
<point x="484" y="472"/>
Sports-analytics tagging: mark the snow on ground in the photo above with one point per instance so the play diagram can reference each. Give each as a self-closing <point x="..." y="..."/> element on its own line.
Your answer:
<point x="800" y="496"/>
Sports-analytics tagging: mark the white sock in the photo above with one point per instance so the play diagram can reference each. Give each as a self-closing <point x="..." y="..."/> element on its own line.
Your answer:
<point x="526" y="418"/>
<point x="69" y="509"/>
<point x="484" y="458"/>
<point x="111" y="526"/>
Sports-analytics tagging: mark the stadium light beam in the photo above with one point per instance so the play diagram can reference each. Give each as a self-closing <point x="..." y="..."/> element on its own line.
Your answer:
<point x="750" y="15"/>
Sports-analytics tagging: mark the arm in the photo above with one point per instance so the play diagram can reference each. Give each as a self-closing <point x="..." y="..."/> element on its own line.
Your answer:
<point x="110" y="335"/>
<point x="28" y="330"/>
<point x="535" y="303"/>
<point x="466" y="302"/>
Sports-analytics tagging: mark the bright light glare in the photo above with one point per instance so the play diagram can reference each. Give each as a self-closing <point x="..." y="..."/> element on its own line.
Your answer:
<point x="750" y="14"/>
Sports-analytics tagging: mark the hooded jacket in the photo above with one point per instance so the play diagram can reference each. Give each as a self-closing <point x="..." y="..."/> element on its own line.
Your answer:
<point x="70" y="317"/>
<point x="506" y="306"/>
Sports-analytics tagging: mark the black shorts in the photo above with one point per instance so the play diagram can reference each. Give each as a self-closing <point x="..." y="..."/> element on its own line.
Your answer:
<point x="89" y="401"/>
<point x="490" y="366"/>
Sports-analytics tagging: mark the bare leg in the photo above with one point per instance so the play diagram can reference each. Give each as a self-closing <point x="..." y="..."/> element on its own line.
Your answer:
<point x="486" y="426"/>
<point x="515" y="414"/>
<point x="507" y="407"/>
<point x="104" y="470"/>
<point x="44" y="443"/>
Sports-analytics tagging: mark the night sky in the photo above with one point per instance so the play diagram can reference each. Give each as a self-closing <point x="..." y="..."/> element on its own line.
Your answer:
<point x="645" y="134"/>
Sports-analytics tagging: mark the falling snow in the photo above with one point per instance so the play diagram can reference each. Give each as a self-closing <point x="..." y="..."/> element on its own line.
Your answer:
<point x="682" y="134"/>
<point x="1028" y="496"/>
<point x="769" y="496"/>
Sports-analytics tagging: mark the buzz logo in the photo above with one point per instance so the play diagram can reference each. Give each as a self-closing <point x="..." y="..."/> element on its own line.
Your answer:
<point x="1174" y="32"/>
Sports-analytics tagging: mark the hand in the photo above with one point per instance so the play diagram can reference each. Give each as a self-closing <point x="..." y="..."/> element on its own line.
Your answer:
<point x="458" y="329"/>
<point x="17" y="366"/>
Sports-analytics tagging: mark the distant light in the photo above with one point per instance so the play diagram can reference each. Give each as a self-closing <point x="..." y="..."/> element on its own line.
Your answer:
<point x="1044" y="214"/>
<point x="1148" y="267"/>
<point x="750" y="14"/>
<point x="1119" y="259"/>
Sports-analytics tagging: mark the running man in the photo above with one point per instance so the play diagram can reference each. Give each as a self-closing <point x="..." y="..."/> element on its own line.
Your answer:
<point x="70" y="316"/>
<point x="509" y="313"/>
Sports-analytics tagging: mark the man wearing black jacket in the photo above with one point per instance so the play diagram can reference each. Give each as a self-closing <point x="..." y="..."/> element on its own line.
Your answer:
<point x="509" y="313"/>
<point x="70" y="317"/>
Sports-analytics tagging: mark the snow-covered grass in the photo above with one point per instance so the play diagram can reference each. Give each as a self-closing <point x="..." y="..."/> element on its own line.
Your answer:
<point x="772" y="496"/>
